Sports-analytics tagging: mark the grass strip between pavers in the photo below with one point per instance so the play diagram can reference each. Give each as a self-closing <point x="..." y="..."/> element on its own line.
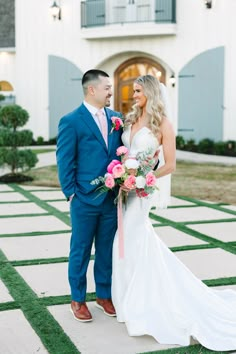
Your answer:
<point x="36" y="233"/>
<point x="16" y="202"/>
<point x="209" y="205"/>
<point x="63" y="299"/>
<point x="39" y="261"/>
<point x="23" y="215"/>
<point x="10" y="305"/>
<point x="208" y="221"/>
<point x="50" y="332"/>
<point x="182" y="206"/>
<point x="181" y="227"/>
<point x="192" y="349"/>
<point x="30" y="303"/>
<point x="220" y="281"/>
<point x="60" y="215"/>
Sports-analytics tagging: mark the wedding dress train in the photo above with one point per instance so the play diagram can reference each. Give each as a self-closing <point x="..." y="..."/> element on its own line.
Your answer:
<point x="153" y="292"/>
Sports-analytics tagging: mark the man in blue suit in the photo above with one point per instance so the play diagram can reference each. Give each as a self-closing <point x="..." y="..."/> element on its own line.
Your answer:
<point x="85" y="146"/>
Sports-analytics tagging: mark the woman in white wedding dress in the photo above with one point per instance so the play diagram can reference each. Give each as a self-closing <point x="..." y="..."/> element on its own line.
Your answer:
<point x="152" y="291"/>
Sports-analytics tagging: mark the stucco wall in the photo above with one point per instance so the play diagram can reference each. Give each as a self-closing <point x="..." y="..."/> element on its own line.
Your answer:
<point x="38" y="36"/>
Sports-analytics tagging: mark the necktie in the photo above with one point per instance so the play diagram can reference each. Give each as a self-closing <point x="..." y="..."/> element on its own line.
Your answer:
<point x="103" y="124"/>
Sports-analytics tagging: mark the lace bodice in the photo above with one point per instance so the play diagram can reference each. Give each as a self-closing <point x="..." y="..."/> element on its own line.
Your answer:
<point x="143" y="140"/>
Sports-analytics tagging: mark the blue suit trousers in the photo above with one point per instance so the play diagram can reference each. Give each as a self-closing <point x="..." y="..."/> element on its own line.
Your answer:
<point x="92" y="223"/>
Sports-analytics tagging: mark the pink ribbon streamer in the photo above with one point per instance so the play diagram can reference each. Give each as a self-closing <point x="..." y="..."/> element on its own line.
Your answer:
<point x="120" y="226"/>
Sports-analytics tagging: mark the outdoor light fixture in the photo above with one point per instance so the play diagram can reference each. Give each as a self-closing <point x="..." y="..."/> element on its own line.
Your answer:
<point x="172" y="80"/>
<point x="55" y="11"/>
<point x="208" y="4"/>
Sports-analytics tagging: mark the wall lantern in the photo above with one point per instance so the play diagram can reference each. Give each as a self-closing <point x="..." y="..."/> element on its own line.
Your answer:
<point x="55" y="11"/>
<point x="208" y="4"/>
<point x="172" y="80"/>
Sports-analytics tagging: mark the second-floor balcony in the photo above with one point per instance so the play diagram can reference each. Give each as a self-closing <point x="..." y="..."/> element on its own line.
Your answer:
<point x="118" y="18"/>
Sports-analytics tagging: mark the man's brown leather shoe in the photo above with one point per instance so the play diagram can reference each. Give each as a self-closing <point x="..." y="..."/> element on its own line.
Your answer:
<point x="80" y="311"/>
<point x="107" y="306"/>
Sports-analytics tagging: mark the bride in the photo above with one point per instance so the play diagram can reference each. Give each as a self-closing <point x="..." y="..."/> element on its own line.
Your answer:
<point x="152" y="291"/>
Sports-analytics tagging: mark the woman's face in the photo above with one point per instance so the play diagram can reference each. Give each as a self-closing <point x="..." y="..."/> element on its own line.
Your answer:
<point x="140" y="98"/>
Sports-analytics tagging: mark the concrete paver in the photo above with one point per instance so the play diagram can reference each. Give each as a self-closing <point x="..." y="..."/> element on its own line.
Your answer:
<point x="110" y="336"/>
<point x="12" y="197"/>
<point x="32" y="224"/>
<point x="35" y="247"/>
<point x="179" y="202"/>
<point x="50" y="280"/>
<point x="17" y="336"/>
<point x="46" y="195"/>
<point x="17" y="209"/>
<point x="193" y="214"/>
<point x="230" y="207"/>
<point x="5" y="188"/>
<point x="224" y="231"/>
<point x="209" y="263"/>
<point x="4" y="293"/>
<point x="62" y="206"/>
<point x="175" y="238"/>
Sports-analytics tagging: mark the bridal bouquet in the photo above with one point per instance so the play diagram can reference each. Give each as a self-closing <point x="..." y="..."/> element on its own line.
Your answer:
<point x="131" y="173"/>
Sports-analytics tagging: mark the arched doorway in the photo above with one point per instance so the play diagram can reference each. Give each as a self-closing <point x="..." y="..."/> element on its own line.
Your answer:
<point x="5" y="86"/>
<point x="125" y="75"/>
<point x="7" y="95"/>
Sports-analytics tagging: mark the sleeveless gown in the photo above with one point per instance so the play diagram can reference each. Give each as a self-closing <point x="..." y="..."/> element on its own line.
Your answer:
<point x="153" y="292"/>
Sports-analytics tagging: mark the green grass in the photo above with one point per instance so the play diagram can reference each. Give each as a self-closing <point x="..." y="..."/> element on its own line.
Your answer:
<point x="201" y="181"/>
<point x="205" y="181"/>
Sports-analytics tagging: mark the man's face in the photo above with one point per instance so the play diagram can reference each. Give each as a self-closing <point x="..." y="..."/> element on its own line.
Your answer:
<point x="102" y="92"/>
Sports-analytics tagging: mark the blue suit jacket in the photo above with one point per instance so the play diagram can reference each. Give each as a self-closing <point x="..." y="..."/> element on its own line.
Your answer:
<point x="82" y="154"/>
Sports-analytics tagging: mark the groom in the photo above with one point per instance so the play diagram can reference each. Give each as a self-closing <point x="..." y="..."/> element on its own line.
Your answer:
<point x="85" y="146"/>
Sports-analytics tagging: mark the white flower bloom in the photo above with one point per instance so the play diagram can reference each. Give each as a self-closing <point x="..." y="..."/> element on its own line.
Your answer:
<point x="131" y="163"/>
<point x="140" y="182"/>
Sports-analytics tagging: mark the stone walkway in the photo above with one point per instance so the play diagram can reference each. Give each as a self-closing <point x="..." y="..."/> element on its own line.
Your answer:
<point x="34" y="292"/>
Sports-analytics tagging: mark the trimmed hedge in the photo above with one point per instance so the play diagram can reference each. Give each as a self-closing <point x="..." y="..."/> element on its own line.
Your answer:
<point x="207" y="146"/>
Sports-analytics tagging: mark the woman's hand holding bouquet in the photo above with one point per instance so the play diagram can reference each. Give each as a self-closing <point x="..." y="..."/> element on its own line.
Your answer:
<point x="130" y="174"/>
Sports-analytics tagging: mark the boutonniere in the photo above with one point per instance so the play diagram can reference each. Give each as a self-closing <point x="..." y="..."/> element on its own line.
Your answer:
<point x="117" y="123"/>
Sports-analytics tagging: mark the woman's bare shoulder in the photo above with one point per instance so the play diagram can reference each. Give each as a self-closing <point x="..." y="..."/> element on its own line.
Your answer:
<point x="166" y="124"/>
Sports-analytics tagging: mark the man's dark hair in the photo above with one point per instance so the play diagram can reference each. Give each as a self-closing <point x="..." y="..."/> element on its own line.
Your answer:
<point x="92" y="75"/>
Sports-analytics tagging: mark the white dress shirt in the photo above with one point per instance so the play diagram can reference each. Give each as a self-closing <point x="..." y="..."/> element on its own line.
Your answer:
<point x="93" y="110"/>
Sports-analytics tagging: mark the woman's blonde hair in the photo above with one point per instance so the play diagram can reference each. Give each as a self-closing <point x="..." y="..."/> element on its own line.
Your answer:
<point x="154" y="106"/>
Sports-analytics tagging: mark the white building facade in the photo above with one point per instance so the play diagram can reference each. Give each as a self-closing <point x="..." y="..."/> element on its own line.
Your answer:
<point x="190" y="40"/>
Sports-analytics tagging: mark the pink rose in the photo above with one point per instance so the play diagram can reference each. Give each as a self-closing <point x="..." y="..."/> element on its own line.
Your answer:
<point x="118" y="171"/>
<point x="130" y="182"/>
<point x="109" y="182"/>
<point x="112" y="164"/>
<point x="141" y="193"/>
<point x="116" y="123"/>
<point x="150" y="179"/>
<point x="122" y="150"/>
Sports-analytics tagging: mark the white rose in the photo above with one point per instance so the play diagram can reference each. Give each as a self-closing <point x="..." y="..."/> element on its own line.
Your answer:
<point x="140" y="182"/>
<point x="131" y="164"/>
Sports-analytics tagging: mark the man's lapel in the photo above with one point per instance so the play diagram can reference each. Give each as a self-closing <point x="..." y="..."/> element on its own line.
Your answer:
<point x="92" y="125"/>
<point x="109" y="127"/>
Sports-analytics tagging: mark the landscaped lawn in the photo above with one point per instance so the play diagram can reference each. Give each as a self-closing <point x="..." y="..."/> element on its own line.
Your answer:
<point x="211" y="182"/>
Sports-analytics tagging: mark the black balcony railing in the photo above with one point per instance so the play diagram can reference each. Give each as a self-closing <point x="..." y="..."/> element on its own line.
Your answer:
<point x="105" y="12"/>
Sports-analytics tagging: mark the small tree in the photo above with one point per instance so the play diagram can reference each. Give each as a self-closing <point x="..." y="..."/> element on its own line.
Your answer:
<point x="13" y="117"/>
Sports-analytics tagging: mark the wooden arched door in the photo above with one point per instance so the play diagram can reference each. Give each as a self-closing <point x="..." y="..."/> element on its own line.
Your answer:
<point x="125" y="75"/>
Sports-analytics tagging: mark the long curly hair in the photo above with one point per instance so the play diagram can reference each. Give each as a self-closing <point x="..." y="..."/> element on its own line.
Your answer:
<point x="154" y="107"/>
